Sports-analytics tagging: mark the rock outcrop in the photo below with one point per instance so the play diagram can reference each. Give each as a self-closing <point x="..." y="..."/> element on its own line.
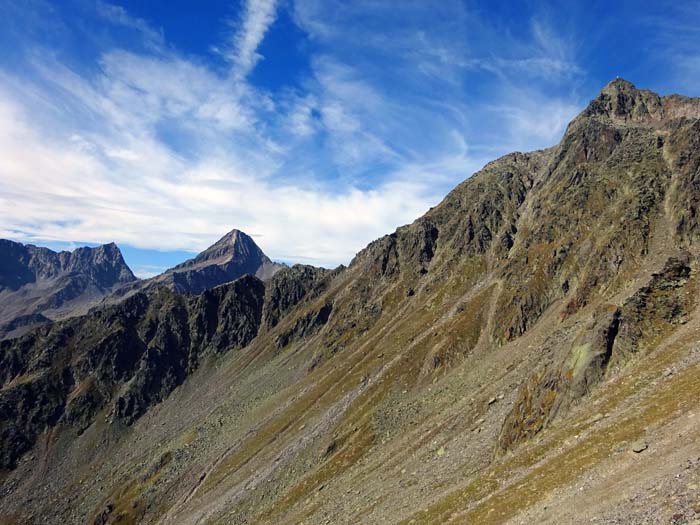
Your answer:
<point x="614" y="336"/>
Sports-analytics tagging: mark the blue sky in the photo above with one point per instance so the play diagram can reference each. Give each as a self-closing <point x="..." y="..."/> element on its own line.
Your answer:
<point x="315" y="126"/>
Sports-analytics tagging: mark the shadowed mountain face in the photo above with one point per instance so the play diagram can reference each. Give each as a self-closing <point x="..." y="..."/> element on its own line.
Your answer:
<point x="38" y="284"/>
<point x="134" y="353"/>
<point x="479" y="365"/>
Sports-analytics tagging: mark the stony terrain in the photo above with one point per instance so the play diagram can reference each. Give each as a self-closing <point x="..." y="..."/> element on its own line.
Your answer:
<point x="38" y="285"/>
<point x="526" y="352"/>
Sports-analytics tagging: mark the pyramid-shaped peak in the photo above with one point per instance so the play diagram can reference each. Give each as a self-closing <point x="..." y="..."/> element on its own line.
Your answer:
<point x="233" y="255"/>
<point x="235" y="241"/>
<point x="235" y="245"/>
<point x="235" y="236"/>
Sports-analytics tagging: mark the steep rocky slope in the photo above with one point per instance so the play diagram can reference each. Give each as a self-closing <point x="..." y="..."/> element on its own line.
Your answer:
<point x="499" y="359"/>
<point x="127" y="357"/>
<point x="38" y="284"/>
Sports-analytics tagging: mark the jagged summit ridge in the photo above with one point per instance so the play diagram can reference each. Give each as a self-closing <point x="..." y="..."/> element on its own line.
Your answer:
<point x="105" y="263"/>
<point x="37" y="284"/>
<point x="622" y="102"/>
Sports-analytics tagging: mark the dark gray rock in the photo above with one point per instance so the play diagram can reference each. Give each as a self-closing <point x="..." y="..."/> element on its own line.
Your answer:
<point x="289" y="287"/>
<point x="38" y="285"/>
<point x="131" y="355"/>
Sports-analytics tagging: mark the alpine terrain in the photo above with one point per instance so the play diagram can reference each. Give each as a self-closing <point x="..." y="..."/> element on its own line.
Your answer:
<point x="231" y="257"/>
<point x="528" y="351"/>
<point x="38" y="285"/>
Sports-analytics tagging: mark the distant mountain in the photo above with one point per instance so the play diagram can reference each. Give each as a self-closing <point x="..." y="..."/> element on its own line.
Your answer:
<point x="231" y="257"/>
<point x="38" y="285"/>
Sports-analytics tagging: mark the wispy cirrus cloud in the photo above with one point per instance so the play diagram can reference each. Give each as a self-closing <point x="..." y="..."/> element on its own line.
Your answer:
<point x="117" y="15"/>
<point x="672" y="38"/>
<point x="256" y="19"/>
<point x="467" y="77"/>
<point x="77" y="194"/>
<point x="155" y="148"/>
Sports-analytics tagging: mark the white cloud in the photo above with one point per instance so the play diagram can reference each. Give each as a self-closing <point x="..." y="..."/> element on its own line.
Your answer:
<point x="258" y="16"/>
<point x="161" y="151"/>
<point x="57" y="190"/>
<point x="673" y="35"/>
<point x="119" y="16"/>
<point x="530" y="118"/>
<point x="301" y="121"/>
<point x="146" y="271"/>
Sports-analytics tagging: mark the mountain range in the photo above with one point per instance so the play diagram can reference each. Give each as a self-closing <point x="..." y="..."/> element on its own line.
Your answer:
<point x="525" y="352"/>
<point x="38" y="285"/>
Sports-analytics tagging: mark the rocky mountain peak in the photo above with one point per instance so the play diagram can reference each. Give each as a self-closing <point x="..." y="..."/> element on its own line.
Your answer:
<point x="232" y="256"/>
<point x="235" y="245"/>
<point x="619" y="85"/>
<point x="623" y="103"/>
<point x="105" y="263"/>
